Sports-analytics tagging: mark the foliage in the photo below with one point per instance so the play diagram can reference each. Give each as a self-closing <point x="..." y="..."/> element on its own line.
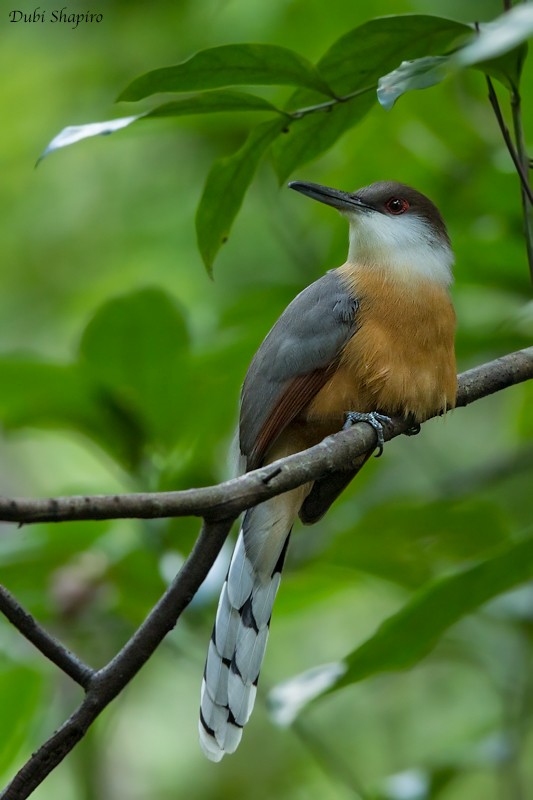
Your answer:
<point x="147" y="398"/>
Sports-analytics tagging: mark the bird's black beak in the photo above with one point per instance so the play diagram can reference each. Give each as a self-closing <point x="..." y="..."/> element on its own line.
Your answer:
<point x="342" y="201"/>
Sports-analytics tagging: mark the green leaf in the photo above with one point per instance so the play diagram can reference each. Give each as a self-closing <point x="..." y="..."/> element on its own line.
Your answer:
<point x="362" y="55"/>
<point x="406" y="637"/>
<point x="45" y="395"/>
<point x="315" y="133"/>
<point x="225" y="188"/>
<point x="21" y="692"/>
<point x="209" y="102"/>
<point x="498" y="49"/>
<point x="498" y="37"/>
<point x="410" y="543"/>
<point x="29" y="562"/>
<point x="203" y="103"/>
<point x="136" y="347"/>
<point x="230" y="65"/>
<point x="506" y="68"/>
<point x="39" y="393"/>
<point x="418" y="74"/>
<point x="353" y="65"/>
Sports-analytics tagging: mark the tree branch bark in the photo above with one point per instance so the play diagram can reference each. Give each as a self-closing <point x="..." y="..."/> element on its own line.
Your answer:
<point x="229" y="499"/>
<point x="55" y="651"/>
<point x="219" y="505"/>
<point x="108" y="682"/>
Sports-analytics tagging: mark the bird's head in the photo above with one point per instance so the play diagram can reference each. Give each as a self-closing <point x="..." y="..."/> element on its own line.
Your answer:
<point x="392" y="227"/>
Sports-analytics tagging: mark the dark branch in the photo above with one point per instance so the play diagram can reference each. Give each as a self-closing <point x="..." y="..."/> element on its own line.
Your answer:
<point x="109" y="681"/>
<point x="525" y="190"/>
<point x="519" y="166"/>
<point x="43" y="641"/>
<point x="222" y="503"/>
<point x="229" y="499"/>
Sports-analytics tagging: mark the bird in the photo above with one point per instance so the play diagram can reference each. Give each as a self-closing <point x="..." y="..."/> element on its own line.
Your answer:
<point x="367" y="341"/>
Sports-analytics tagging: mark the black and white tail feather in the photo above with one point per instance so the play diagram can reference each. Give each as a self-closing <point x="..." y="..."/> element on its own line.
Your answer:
<point x="288" y="369"/>
<point x="240" y="634"/>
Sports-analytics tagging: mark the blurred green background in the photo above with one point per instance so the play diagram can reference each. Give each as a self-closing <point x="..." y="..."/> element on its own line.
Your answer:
<point x="102" y="284"/>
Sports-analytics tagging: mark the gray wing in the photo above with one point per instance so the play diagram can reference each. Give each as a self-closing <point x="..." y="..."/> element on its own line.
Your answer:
<point x="294" y="362"/>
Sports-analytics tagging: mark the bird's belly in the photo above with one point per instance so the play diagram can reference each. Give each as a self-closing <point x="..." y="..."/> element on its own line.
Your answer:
<point x="388" y="383"/>
<point x="400" y="361"/>
<point x="343" y="392"/>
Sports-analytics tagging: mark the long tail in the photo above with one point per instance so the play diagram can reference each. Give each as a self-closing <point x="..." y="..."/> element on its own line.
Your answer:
<point x="240" y="634"/>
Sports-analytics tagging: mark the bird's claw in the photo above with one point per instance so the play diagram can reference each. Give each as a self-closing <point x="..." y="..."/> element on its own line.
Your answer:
<point x="375" y="420"/>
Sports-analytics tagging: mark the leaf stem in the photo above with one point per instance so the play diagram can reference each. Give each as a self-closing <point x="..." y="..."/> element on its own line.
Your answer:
<point x="520" y="164"/>
<point x="525" y="188"/>
<point x="520" y="160"/>
<point x="303" y="112"/>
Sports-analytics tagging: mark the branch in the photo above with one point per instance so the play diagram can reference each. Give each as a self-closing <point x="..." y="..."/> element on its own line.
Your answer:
<point x="525" y="189"/>
<point x="220" y="504"/>
<point x="43" y="641"/>
<point x="108" y="682"/>
<point x="336" y="453"/>
<point x="518" y="159"/>
<point x="329" y="104"/>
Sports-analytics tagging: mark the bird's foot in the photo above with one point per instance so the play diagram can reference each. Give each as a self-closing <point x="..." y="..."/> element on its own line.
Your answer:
<point x="375" y="420"/>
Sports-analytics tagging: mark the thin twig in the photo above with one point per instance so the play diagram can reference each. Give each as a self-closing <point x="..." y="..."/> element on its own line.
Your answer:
<point x="109" y="681"/>
<point x="303" y="112"/>
<point x="517" y="161"/>
<point x="55" y="651"/>
<point x="526" y="194"/>
<point x="336" y="452"/>
<point x="229" y="499"/>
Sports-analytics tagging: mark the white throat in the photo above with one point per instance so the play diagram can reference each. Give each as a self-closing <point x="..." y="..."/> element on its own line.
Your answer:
<point x="405" y="245"/>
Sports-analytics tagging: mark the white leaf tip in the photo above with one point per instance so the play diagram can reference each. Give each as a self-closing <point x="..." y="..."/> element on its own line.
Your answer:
<point x="75" y="133"/>
<point x="288" y="698"/>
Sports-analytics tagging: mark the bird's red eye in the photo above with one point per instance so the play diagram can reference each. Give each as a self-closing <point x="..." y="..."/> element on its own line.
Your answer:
<point x="397" y="205"/>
